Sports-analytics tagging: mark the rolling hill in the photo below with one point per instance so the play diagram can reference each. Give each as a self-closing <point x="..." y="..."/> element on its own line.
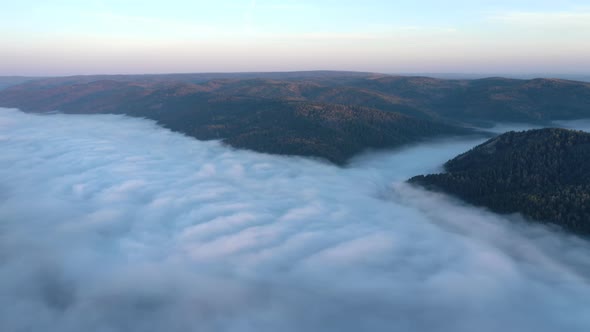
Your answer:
<point x="330" y="115"/>
<point x="543" y="174"/>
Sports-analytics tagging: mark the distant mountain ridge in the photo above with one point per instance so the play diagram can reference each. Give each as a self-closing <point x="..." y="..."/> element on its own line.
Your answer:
<point x="270" y="112"/>
<point x="543" y="174"/>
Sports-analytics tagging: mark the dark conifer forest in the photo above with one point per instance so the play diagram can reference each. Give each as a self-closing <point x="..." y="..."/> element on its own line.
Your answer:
<point x="543" y="174"/>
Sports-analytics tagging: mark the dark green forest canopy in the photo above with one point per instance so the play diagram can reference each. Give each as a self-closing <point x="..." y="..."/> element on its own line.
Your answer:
<point x="543" y="174"/>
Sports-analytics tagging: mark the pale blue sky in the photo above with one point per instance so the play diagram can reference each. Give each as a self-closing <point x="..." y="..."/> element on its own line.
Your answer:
<point x="63" y="37"/>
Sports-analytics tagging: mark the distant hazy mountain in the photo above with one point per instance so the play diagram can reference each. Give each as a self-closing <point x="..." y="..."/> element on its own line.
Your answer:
<point x="475" y="76"/>
<point x="543" y="174"/>
<point x="325" y="114"/>
<point x="6" y="81"/>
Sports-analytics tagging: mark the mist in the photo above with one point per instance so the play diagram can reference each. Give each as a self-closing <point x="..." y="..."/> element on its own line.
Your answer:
<point x="109" y="223"/>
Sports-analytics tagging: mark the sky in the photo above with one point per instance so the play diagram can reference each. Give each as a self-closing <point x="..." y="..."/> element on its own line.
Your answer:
<point x="63" y="37"/>
<point x="110" y="223"/>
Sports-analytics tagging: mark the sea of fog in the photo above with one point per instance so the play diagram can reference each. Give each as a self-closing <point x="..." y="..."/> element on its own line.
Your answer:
<point x="109" y="223"/>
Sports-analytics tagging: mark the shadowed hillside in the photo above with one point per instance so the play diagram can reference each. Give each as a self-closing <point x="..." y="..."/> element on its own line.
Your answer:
<point x="543" y="174"/>
<point x="287" y="113"/>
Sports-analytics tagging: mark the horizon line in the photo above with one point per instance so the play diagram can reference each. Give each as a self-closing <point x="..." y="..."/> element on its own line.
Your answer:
<point x="523" y="75"/>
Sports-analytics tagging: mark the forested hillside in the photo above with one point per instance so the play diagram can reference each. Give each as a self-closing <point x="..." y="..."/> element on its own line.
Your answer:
<point x="331" y="115"/>
<point x="543" y="174"/>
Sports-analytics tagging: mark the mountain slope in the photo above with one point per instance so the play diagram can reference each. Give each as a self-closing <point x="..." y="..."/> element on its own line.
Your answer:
<point x="331" y="131"/>
<point x="470" y="101"/>
<point x="270" y="112"/>
<point x="543" y="174"/>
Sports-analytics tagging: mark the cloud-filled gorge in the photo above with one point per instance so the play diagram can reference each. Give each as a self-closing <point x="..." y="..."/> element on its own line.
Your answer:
<point x="109" y="223"/>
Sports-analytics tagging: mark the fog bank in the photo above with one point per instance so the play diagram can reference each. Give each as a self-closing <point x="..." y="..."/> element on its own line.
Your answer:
<point x="109" y="223"/>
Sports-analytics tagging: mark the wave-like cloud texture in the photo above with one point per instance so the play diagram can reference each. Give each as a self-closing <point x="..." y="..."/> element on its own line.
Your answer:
<point x="109" y="223"/>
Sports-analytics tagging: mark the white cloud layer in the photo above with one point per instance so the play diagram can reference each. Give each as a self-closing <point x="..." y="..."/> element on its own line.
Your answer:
<point x="113" y="224"/>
